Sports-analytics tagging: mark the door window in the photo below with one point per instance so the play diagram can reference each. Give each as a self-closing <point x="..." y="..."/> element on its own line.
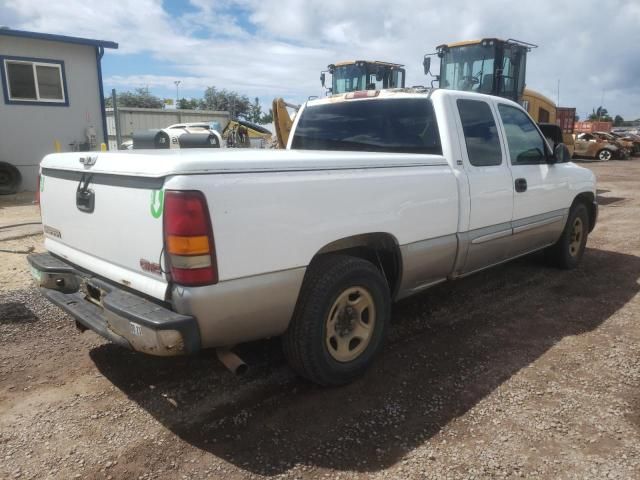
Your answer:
<point x="480" y="133"/>
<point x="526" y="145"/>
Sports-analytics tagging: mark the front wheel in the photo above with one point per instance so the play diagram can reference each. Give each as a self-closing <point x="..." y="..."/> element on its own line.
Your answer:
<point x="605" y="155"/>
<point x="340" y="320"/>
<point x="567" y="252"/>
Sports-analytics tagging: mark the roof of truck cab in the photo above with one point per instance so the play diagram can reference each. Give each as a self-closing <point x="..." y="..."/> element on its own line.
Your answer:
<point x="397" y="93"/>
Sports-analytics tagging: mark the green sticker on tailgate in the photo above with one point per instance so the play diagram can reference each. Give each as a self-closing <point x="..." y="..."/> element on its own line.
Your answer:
<point x="157" y="202"/>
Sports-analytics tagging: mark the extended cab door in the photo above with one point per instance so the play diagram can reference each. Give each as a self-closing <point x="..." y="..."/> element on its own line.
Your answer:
<point x="540" y="201"/>
<point x="490" y="187"/>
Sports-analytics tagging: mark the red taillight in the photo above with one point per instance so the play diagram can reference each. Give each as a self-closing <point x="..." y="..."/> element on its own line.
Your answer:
<point x="188" y="238"/>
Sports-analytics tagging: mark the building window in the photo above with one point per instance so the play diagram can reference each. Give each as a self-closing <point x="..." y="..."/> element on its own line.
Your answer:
<point x="29" y="81"/>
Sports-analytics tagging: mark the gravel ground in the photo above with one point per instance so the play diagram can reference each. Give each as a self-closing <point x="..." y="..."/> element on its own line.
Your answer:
<point x="520" y="371"/>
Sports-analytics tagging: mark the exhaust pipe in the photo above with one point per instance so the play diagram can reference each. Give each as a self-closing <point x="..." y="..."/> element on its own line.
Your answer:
<point x="232" y="361"/>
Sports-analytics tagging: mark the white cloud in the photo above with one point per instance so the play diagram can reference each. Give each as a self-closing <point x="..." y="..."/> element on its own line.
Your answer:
<point x="278" y="47"/>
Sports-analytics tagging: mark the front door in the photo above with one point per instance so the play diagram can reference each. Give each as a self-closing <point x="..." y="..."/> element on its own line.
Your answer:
<point x="490" y="187"/>
<point x="541" y="188"/>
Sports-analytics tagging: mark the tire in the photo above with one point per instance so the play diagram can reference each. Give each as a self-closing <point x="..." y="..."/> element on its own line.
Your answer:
<point x="339" y="323"/>
<point x="605" y="155"/>
<point x="9" y="178"/>
<point x="567" y="252"/>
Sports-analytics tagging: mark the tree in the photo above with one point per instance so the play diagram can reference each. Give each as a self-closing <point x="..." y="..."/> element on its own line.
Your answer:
<point x="600" y="114"/>
<point x="267" y="117"/>
<point x="618" y="121"/>
<point x="237" y="105"/>
<point x="140" y="97"/>
<point x="255" y="114"/>
<point x="191" y="104"/>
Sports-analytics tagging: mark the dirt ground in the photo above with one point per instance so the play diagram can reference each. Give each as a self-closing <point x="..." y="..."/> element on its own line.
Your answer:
<point x="520" y="371"/>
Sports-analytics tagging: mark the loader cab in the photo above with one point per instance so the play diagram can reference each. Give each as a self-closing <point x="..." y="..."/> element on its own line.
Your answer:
<point x="363" y="75"/>
<point x="491" y="66"/>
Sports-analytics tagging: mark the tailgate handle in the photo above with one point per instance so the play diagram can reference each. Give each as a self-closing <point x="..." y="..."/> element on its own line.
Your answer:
<point x="85" y="197"/>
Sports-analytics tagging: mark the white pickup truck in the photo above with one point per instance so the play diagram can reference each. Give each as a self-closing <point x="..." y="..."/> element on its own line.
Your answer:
<point x="378" y="196"/>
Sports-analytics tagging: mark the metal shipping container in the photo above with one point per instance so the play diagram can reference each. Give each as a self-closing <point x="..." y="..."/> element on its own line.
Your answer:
<point x="590" y="127"/>
<point x="565" y="118"/>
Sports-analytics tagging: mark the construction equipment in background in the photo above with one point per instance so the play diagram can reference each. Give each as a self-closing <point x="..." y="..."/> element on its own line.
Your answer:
<point x="237" y="134"/>
<point x="494" y="67"/>
<point x="283" y="120"/>
<point x="349" y="76"/>
<point x="357" y="75"/>
<point x="244" y="134"/>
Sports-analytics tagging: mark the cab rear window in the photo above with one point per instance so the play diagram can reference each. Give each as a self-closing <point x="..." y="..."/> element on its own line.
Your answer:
<point x="390" y="125"/>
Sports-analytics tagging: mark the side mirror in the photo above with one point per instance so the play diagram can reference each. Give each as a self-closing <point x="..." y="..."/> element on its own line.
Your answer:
<point x="426" y="63"/>
<point x="561" y="153"/>
<point x="322" y="78"/>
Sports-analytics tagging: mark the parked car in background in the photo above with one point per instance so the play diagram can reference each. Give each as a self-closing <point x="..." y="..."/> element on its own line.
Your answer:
<point x="626" y="145"/>
<point x="179" y="135"/>
<point x="632" y="140"/>
<point x="595" y="146"/>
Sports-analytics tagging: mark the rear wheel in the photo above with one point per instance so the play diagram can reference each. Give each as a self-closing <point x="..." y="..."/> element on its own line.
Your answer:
<point x="340" y="320"/>
<point x="567" y="252"/>
<point x="605" y="155"/>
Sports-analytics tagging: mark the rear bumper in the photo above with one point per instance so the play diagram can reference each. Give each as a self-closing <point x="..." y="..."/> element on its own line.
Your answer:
<point x="124" y="318"/>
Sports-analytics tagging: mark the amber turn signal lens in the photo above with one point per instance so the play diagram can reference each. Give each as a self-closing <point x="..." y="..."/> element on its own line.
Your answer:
<point x="183" y="245"/>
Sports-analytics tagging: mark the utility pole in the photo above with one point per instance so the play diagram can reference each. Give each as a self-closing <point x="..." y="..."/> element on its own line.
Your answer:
<point x="116" y="118"/>
<point x="177" y="84"/>
<point x="558" y="103"/>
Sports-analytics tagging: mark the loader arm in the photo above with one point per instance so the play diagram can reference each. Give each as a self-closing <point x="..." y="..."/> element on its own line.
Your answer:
<point x="282" y="120"/>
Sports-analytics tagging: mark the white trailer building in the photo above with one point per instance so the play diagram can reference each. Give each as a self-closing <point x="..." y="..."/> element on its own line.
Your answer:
<point x="52" y="96"/>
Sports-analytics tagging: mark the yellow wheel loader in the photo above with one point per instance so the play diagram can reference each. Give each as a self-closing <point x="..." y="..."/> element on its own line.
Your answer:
<point x="349" y="76"/>
<point x="283" y="120"/>
<point x="494" y="67"/>
<point x="354" y="75"/>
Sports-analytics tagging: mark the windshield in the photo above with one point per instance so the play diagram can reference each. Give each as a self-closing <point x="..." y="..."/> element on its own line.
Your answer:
<point x="349" y="78"/>
<point x="468" y="68"/>
<point x="476" y="68"/>
<point x="389" y="125"/>
<point x="362" y="76"/>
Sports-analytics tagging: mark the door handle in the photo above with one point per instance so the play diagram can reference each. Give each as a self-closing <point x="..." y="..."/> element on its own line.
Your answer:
<point x="521" y="185"/>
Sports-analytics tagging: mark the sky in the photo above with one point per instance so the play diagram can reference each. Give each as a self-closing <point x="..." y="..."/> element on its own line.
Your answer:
<point x="277" y="48"/>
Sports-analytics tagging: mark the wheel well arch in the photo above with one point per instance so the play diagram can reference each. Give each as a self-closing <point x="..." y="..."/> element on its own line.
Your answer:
<point x="588" y="200"/>
<point x="380" y="248"/>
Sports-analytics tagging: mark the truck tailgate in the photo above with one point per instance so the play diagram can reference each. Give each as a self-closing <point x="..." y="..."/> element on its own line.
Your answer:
<point x="108" y="224"/>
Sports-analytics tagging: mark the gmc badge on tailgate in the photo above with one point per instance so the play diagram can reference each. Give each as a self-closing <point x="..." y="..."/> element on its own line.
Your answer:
<point x="89" y="160"/>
